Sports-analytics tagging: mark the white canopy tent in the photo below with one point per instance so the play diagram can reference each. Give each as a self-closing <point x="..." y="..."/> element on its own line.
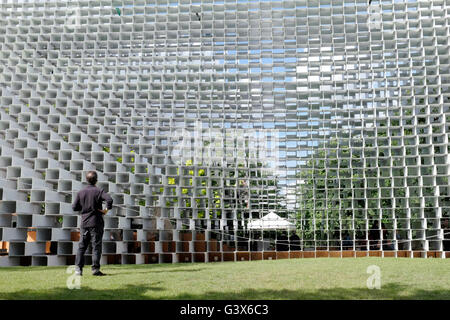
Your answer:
<point x="270" y="221"/>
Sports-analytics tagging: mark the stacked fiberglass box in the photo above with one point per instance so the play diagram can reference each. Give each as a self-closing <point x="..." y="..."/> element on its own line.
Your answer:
<point x="202" y="116"/>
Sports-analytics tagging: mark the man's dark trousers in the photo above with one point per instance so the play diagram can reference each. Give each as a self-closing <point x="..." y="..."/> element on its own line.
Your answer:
<point x="94" y="236"/>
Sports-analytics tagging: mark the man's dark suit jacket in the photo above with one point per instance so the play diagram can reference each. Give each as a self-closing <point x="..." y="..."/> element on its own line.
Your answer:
<point x="89" y="202"/>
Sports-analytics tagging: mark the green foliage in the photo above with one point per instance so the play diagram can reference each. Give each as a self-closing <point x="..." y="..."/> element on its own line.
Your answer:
<point x="321" y="197"/>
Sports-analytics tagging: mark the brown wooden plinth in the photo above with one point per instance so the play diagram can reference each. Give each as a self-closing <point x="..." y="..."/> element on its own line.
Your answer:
<point x="321" y="254"/>
<point x="403" y="254"/>
<point x="348" y="254"/>
<point x="47" y="247"/>
<point x="228" y="256"/>
<point x="31" y="236"/>
<point x="114" y="259"/>
<point x="200" y="236"/>
<point x="200" y="246"/>
<point x="184" y="257"/>
<point x="186" y="236"/>
<point x="269" y="255"/>
<point x="150" y="258"/>
<point x="151" y="246"/>
<point x="243" y="256"/>
<point x="213" y="245"/>
<point x="4" y="245"/>
<point x="282" y="255"/>
<point x="199" y="257"/>
<point x="166" y="258"/>
<point x="433" y="254"/>
<point x="75" y="236"/>
<point x="374" y="253"/>
<point x="256" y="255"/>
<point x="214" y="257"/>
<point x="168" y="246"/>
<point x="185" y="246"/>
<point x="227" y="248"/>
<point x="334" y="254"/>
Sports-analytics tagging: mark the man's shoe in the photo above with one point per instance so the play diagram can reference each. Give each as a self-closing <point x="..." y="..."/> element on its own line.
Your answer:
<point x="78" y="272"/>
<point x="98" y="273"/>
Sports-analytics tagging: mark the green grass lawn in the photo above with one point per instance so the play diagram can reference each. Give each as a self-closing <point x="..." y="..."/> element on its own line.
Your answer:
<point x="322" y="278"/>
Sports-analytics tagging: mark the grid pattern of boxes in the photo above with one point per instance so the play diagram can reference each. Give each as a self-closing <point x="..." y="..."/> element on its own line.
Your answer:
<point x="360" y="107"/>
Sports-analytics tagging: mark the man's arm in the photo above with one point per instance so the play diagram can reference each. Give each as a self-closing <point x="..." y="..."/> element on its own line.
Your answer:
<point x="76" y="206"/>
<point x="109" y="201"/>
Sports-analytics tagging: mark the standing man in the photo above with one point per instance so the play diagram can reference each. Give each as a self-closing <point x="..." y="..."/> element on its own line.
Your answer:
<point x="374" y="236"/>
<point x="89" y="202"/>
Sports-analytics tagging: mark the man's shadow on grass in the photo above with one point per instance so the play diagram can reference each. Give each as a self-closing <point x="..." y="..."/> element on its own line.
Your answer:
<point x="390" y="291"/>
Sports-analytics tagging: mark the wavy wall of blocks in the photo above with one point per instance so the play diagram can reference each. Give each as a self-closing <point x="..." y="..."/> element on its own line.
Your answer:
<point x="358" y="97"/>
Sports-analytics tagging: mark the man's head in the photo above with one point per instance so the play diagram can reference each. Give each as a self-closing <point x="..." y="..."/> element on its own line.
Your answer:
<point x="91" y="177"/>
